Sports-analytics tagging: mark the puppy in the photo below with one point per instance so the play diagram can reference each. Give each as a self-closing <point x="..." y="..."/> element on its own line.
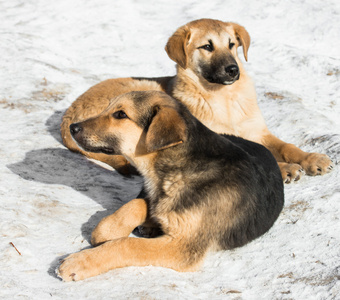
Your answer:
<point x="212" y="82"/>
<point x="206" y="191"/>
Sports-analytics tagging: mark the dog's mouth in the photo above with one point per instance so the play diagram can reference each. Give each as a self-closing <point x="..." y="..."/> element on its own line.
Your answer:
<point x="88" y="143"/>
<point x="229" y="82"/>
<point x="105" y="150"/>
<point x="223" y="81"/>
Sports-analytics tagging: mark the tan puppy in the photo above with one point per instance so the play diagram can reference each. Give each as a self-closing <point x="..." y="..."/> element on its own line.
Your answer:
<point x="212" y="83"/>
<point x="206" y="191"/>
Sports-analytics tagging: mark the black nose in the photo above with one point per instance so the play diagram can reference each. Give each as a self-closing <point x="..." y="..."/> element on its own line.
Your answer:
<point x="75" y="128"/>
<point x="232" y="71"/>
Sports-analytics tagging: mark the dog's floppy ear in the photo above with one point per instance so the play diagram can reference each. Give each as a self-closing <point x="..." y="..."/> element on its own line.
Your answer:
<point x="167" y="129"/>
<point x="176" y="48"/>
<point x="243" y="37"/>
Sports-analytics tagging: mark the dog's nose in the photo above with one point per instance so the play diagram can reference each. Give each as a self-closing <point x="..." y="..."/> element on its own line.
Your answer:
<point x="232" y="71"/>
<point x="75" y="128"/>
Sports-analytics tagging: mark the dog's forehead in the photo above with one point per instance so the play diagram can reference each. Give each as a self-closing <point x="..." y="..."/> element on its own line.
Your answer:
<point x="117" y="102"/>
<point x="138" y="102"/>
<point x="220" y="34"/>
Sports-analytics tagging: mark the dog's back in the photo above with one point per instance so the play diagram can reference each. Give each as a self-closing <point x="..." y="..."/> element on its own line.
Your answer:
<point x="261" y="194"/>
<point x="235" y="184"/>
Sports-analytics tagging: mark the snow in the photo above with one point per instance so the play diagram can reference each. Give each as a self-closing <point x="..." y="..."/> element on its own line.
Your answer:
<point x="51" y="199"/>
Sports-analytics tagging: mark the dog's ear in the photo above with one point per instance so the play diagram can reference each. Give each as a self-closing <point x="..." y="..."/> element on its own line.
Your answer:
<point x="243" y="38"/>
<point x="167" y="129"/>
<point x="176" y="48"/>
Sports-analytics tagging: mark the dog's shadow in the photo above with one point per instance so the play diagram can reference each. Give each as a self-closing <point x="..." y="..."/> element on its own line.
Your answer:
<point x="60" y="166"/>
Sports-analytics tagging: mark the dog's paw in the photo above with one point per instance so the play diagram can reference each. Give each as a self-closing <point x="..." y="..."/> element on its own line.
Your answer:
<point x="291" y="172"/>
<point x="317" y="164"/>
<point x="77" y="266"/>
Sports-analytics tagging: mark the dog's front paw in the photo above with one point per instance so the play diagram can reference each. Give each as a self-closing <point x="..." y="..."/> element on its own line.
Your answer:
<point x="317" y="164"/>
<point x="77" y="266"/>
<point x="291" y="172"/>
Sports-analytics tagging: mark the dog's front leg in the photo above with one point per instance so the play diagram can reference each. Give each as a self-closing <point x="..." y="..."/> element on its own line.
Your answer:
<point x="294" y="162"/>
<point x="164" y="251"/>
<point x="121" y="223"/>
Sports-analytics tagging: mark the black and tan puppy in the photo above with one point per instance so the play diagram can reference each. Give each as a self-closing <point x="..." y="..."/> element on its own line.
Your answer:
<point x="206" y="191"/>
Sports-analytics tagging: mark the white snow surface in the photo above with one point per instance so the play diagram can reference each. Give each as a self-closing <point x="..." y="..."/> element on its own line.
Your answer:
<point x="51" y="199"/>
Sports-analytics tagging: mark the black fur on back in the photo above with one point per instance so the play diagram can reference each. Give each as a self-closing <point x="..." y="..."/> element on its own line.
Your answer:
<point x="236" y="182"/>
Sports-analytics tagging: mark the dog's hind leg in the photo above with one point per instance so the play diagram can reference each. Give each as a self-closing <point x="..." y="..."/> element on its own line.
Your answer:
<point x="121" y="223"/>
<point x="163" y="251"/>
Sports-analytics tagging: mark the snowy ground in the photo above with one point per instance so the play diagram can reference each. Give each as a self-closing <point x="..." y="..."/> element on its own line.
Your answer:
<point x="50" y="198"/>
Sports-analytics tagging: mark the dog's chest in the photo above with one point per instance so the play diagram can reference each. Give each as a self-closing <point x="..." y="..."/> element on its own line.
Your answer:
<point x="223" y="115"/>
<point x="229" y="110"/>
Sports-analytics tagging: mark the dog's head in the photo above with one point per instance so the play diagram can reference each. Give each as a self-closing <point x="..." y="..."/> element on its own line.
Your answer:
<point x="209" y="48"/>
<point x="134" y="124"/>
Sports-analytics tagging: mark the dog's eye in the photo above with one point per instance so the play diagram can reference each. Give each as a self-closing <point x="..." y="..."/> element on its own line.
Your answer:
<point x="119" y="115"/>
<point x="231" y="45"/>
<point x="208" y="47"/>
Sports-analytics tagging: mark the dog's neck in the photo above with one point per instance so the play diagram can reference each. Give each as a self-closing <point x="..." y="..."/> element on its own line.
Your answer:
<point x="222" y="108"/>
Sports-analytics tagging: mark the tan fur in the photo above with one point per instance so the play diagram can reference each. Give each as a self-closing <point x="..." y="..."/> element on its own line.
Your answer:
<point x="229" y="109"/>
<point x="170" y="137"/>
<point x="163" y="251"/>
<point x="121" y="223"/>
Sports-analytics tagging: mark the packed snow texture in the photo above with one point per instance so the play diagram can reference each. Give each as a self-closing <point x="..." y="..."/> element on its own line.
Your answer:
<point x="51" y="199"/>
